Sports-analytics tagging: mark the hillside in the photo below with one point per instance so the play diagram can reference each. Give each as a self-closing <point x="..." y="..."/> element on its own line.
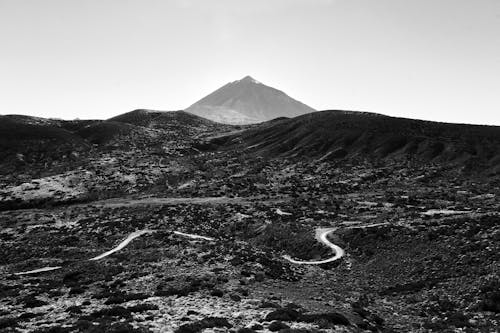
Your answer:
<point x="162" y="119"/>
<point x="38" y="147"/>
<point x="337" y="135"/>
<point x="247" y="101"/>
<point x="101" y="132"/>
<point x="30" y="140"/>
<point x="179" y="121"/>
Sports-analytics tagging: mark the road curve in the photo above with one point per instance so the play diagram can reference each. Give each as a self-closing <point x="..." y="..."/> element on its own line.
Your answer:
<point x="321" y="236"/>
<point x="120" y="246"/>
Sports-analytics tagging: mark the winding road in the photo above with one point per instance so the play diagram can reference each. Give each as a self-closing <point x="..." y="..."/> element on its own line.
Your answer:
<point x="321" y="236"/>
<point x="120" y="246"/>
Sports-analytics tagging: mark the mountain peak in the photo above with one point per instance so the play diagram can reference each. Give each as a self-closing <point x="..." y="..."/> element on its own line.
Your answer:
<point x="248" y="78"/>
<point x="247" y="101"/>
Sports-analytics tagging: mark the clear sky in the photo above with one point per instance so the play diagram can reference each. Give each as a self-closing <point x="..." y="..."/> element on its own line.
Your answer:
<point x="425" y="59"/>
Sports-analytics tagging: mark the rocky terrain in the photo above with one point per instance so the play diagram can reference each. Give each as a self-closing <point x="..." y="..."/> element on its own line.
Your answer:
<point x="415" y="206"/>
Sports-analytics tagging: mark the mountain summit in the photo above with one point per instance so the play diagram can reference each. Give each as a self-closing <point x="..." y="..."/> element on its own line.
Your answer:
<point x="247" y="101"/>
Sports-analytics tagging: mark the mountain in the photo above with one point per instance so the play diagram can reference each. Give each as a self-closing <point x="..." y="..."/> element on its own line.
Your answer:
<point x="337" y="135"/>
<point x="247" y="101"/>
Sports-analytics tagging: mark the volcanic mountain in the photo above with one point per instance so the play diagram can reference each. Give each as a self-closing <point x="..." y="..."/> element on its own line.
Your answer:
<point x="247" y="101"/>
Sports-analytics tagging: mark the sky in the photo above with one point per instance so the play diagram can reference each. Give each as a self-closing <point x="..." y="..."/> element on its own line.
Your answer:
<point x="93" y="59"/>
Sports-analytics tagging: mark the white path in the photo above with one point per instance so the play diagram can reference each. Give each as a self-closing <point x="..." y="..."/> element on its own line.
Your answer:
<point x="120" y="246"/>
<point x="40" y="270"/>
<point x="105" y="254"/>
<point x="193" y="236"/>
<point x="321" y="236"/>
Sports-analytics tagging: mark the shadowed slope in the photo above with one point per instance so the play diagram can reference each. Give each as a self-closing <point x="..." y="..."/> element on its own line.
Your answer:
<point x="101" y="132"/>
<point x="360" y="135"/>
<point x="161" y="119"/>
<point x="24" y="137"/>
